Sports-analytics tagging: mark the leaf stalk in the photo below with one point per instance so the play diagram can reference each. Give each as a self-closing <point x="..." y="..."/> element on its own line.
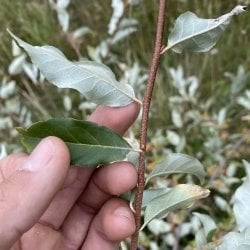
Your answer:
<point x="165" y="49"/>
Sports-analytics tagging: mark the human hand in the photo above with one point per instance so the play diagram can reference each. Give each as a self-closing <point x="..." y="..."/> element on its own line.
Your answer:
<point x="46" y="205"/>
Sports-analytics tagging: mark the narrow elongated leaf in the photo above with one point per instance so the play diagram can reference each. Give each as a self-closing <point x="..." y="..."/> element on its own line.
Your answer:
<point x="178" y="163"/>
<point x="88" y="143"/>
<point x="94" y="80"/>
<point x="208" y="225"/>
<point x="180" y="196"/>
<point x="200" y="239"/>
<point x="118" y="9"/>
<point x="196" y="34"/>
<point x="241" y="201"/>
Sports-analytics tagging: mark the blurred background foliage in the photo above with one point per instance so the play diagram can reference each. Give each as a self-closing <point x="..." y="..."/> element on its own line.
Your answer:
<point x="200" y="105"/>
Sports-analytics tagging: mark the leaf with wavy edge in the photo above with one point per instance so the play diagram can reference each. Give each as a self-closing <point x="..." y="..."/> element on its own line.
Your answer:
<point x="176" y="163"/>
<point x="94" y="80"/>
<point x="180" y="196"/>
<point x="89" y="144"/>
<point x="195" y="34"/>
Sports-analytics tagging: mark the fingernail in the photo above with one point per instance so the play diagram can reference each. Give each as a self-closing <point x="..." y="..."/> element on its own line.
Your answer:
<point x="124" y="212"/>
<point x="40" y="156"/>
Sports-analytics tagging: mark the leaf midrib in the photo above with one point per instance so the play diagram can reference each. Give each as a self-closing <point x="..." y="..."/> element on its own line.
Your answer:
<point x="88" y="145"/>
<point x="88" y="72"/>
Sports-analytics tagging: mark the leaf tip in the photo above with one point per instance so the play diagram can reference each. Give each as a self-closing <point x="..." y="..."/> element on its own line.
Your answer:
<point x="239" y="9"/>
<point x="11" y="34"/>
<point x="8" y="30"/>
<point x="19" y="41"/>
<point x="196" y="190"/>
<point x="20" y="130"/>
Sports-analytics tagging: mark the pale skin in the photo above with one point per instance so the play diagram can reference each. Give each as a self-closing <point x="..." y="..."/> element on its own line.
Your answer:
<point x="45" y="204"/>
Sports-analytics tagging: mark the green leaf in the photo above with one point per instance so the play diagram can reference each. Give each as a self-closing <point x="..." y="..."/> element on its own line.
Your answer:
<point x="208" y="225"/>
<point x="150" y="194"/>
<point x="195" y="34"/>
<point x="94" y="80"/>
<point x="241" y="201"/>
<point x="180" y="196"/>
<point x="178" y="163"/>
<point x="88" y="143"/>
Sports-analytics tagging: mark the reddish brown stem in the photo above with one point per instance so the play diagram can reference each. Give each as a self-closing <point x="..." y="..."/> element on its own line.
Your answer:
<point x="145" y="114"/>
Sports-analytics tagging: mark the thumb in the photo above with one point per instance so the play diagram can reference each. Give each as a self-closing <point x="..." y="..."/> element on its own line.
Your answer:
<point x="26" y="193"/>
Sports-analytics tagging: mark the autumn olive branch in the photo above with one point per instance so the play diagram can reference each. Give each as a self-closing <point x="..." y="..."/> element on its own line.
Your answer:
<point x="145" y="115"/>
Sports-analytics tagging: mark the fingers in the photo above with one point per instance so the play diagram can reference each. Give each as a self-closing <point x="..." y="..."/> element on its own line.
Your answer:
<point x="108" y="181"/>
<point x="10" y="164"/>
<point x="118" y="119"/>
<point x="113" y="223"/>
<point x="115" y="179"/>
<point x="26" y="194"/>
